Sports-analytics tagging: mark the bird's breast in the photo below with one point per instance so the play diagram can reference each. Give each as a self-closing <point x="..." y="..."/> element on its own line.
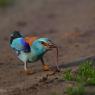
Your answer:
<point x="30" y="57"/>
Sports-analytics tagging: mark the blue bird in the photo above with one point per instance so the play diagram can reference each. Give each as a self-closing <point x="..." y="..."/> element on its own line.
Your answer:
<point x="30" y="49"/>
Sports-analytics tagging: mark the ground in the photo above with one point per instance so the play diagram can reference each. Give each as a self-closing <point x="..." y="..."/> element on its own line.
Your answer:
<point x="69" y="23"/>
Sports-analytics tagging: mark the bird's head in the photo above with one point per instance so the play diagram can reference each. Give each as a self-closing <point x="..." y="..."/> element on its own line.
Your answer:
<point x="45" y="44"/>
<point x="14" y="35"/>
<point x="48" y="45"/>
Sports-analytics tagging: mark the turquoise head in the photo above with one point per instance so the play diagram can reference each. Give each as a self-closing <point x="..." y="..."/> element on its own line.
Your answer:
<point x="42" y="45"/>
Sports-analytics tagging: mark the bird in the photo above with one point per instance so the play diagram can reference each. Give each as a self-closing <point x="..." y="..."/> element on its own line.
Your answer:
<point x="30" y="49"/>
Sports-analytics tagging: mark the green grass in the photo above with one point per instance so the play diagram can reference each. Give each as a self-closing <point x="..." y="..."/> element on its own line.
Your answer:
<point x="76" y="90"/>
<point x="6" y="3"/>
<point x="85" y="75"/>
<point x="68" y="75"/>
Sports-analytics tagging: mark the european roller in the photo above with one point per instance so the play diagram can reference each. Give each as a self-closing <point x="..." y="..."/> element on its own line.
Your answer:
<point x="30" y="48"/>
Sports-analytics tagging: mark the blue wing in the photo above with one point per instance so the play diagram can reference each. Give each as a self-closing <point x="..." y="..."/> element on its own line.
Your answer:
<point x="19" y="44"/>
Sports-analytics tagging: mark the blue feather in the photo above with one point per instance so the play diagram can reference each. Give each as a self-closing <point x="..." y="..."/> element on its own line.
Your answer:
<point x="19" y="44"/>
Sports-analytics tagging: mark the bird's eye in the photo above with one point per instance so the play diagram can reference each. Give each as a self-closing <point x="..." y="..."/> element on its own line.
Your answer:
<point x="44" y="43"/>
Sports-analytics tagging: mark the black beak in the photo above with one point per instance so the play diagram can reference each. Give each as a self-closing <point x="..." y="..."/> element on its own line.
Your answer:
<point x="52" y="46"/>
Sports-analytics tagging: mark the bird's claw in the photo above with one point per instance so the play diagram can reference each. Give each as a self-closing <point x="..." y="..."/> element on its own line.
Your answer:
<point x="46" y="67"/>
<point x="28" y="72"/>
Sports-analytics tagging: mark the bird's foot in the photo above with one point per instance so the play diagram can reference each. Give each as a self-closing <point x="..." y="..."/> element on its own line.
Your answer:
<point x="27" y="72"/>
<point x="46" y="67"/>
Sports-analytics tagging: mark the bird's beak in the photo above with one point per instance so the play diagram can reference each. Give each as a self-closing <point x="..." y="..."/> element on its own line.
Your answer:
<point x="50" y="45"/>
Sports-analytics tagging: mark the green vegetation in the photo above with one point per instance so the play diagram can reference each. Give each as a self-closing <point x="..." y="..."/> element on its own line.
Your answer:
<point x="85" y="75"/>
<point x="77" y="90"/>
<point x="68" y="75"/>
<point x="5" y="3"/>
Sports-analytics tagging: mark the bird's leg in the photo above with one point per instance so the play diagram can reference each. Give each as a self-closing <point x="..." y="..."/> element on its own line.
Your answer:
<point x="25" y="66"/>
<point x="45" y="66"/>
<point x="27" y="71"/>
